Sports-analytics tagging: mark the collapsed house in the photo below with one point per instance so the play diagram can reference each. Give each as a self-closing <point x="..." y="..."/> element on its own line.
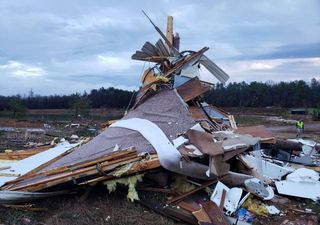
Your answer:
<point x="168" y="130"/>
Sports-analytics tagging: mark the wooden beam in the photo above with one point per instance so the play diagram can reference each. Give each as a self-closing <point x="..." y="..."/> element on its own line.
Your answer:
<point x="137" y="167"/>
<point x="36" y="172"/>
<point x="180" y="197"/>
<point x="169" y="33"/>
<point x="215" y="213"/>
<point x="67" y="176"/>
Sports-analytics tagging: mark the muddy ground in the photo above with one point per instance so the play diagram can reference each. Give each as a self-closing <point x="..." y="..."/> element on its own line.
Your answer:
<point x="100" y="207"/>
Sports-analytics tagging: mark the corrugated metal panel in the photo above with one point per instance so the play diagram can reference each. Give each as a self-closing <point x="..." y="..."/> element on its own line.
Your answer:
<point x="139" y="55"/>
<point x="149" y="49"/>
<point x="214" y="69"/>
<point x="162" y="48"/>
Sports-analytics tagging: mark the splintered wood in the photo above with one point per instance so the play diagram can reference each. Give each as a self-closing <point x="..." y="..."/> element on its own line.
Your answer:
<point x="87" y="172"/>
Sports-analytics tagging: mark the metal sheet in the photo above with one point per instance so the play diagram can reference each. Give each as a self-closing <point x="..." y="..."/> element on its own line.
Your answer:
<point x="214" y="69"/>
<point x="162" y="48"/>
<point x="149" y="49"/>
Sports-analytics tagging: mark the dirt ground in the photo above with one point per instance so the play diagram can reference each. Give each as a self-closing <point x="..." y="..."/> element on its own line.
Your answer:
<point x="100" y="207"/>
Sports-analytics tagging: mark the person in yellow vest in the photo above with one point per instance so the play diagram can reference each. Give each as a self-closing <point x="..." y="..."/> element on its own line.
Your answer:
<point x="300" y="128"/>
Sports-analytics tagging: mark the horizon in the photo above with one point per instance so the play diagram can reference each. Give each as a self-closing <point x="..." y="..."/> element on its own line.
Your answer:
<point x="58" y="48"/>
<point x="28" y="94"/>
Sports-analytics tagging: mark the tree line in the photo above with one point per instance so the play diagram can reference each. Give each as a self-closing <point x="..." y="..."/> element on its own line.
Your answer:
<point x="255" y="94"/>
<point x="97" y="98"/>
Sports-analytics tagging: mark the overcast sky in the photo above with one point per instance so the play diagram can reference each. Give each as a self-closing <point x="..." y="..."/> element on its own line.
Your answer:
<point x="62" y="47"/>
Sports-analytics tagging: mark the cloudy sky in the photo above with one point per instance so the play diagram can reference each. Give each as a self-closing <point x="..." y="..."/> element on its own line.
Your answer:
<point x="64" y="46"/>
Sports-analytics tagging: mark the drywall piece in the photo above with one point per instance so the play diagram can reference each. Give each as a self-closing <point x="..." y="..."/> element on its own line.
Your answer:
<point x="179" y="141"/>
<point x="232" y="198"/>
<point x="24" y="166"/>
<point x="236" y="141"/>
<point x="255" y="186"/>
<point x="303" y="175"/>
<point x="302" y="183"/>
<point x="270" y="170"/>
<point x="309" y="190"/>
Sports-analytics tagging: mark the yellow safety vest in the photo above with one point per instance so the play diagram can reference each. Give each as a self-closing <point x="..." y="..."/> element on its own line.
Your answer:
<point x="300" y="124"/>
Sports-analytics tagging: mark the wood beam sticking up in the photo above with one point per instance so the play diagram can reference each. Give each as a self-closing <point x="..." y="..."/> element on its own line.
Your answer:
<point x="169" y="33"/>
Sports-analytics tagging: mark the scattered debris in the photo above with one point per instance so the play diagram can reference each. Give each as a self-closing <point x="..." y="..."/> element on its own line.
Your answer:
<point x="213" y="171"/>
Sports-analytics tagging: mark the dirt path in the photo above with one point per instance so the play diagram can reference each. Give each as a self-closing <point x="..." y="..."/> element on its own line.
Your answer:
<point x="309" y="128"/>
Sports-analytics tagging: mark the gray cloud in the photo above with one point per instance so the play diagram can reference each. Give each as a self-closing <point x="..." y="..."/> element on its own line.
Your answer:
<point x="66" y="46"/>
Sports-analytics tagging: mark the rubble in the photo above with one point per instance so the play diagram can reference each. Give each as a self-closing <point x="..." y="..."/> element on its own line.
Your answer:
<point x="172" y="135"/>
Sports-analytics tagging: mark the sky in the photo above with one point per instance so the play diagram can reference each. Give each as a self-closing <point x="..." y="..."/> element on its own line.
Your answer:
<point x="64" y="46"/>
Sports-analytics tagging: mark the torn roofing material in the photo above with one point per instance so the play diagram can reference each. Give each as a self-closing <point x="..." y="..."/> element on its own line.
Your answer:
<point x="165" y="109"/>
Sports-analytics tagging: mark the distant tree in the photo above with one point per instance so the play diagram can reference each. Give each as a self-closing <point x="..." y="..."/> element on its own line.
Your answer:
<point x="255" y="94"/>
<point x="17" y="107"/>
<point x="80" y="106"/>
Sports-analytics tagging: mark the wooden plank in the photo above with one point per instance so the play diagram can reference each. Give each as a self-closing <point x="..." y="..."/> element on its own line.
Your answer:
<point x="34" y="171"/>
<point x="223" y="198"/>
<point x="137" y="167"/>
<point x="62" y="169"/>
<point x="9" y="174"/>
<point x="189" y="206"/>
<point x="201" y="216"/>
<point x="22" y="154"/>
<point x="61" y="178"/>
<point x="197" y="114"/>
<point x="180" y="197"/>
<point x="204" y="142"/>
<point x="109" y="157"/>
<point x="169" y="33"/>
<point x="162" y="50"/>
<point x="229" y="154"/>
<point x="215" y="213"/>
<point x="180" y="215"/>
<point x="192" y="89"/>
<point x="188" y="59"/>
<point x="64" y="179"/>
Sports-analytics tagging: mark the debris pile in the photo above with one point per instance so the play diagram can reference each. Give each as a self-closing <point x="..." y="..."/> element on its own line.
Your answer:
<point x="170" y="134"/>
